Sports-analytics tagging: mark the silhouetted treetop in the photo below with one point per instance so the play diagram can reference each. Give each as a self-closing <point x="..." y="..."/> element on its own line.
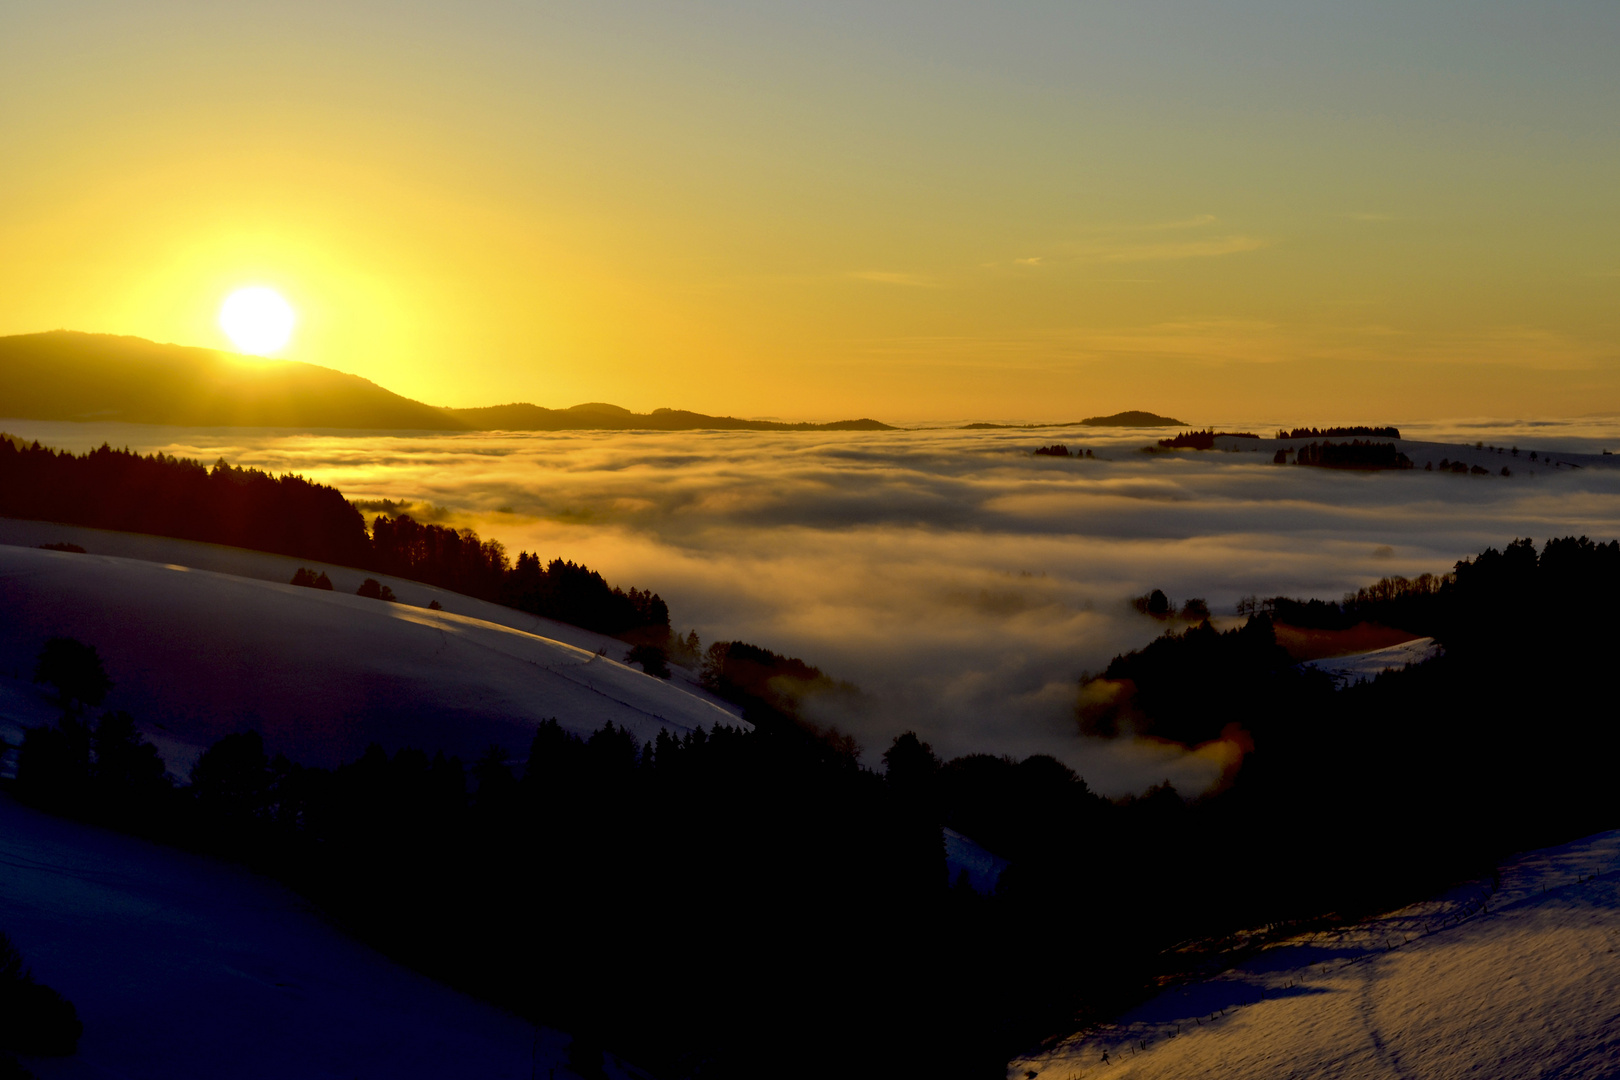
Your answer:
<point x="75" y="670"/>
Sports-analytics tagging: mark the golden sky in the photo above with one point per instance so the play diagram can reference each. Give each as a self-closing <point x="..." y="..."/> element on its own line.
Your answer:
<point x="817" y="210"/>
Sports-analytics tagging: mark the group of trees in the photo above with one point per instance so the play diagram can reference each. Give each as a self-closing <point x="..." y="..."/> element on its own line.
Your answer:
<point x="34" y="1018"/>
<point x="1358" y="431"/>
<point x="1413" y="604"/>
<point x="308" y="579"/>
<point x="1202" y="440"/>
<point x="772" y="688"/>
<point x="1462" y="468"/>
<point x="1061" y="450"/>
<point x="1160" y="606"/>
<point x="572" y="593"/>
<point x="1355" y="454"/>
<point x="1377" y="793"/>
<point x="170" y="496"/>
<point x="288" y="515"/>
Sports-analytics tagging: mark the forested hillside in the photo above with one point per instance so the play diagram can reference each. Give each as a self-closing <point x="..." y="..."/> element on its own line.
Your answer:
<point x="288" y="515"/>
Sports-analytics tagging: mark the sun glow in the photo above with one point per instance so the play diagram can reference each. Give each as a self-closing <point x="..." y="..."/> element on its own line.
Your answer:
<point x="257" y="320"/>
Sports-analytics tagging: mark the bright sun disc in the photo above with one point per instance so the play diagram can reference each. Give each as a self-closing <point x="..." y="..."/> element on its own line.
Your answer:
<point x="257" y="320"/>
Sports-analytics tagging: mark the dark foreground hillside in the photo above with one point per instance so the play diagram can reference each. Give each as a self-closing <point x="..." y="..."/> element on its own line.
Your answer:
<point x="733" y="898"/>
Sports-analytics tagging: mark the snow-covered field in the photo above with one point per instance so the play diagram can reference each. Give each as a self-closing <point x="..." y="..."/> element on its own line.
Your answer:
<point x="1516" y="980"/>
<point x="182" y="967"/>
<point x="198" y="654"/>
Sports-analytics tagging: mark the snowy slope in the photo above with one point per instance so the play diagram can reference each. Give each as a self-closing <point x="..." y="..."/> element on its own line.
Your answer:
<point x="264" y="566"/>
<point x="1345" y="670"/>
<point x="183" y="968"/>
<point x="964" y="855"/>
<point x="1516" y="981"/>
<point x="198" y="654"/>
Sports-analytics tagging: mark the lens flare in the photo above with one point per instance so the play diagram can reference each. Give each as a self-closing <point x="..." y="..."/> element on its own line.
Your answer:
<point x="257" y="320"/>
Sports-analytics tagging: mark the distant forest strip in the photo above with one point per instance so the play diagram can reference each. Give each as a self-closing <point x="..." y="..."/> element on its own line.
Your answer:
<point x="1202" y="440"/>
<point x="782" y="866"/>
<point x="288" y="515"/>
<point x="1355" y="454"/>
<point x="1390" y="432"/>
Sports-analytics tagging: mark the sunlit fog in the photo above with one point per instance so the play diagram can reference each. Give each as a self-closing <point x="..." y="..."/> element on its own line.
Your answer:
<point x="962" y="583"/>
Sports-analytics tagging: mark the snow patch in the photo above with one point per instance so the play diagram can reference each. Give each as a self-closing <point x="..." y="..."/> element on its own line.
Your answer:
<point x="184" y="967"/>
<point x="198" y="654"/>
<point x="1516" y="977"/>
<point x="1351" y="669"/>
<point x="964" y="856"/>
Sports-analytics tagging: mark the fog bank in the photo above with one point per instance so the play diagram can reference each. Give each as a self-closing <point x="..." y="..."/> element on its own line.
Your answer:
<point x="964" y="584"/>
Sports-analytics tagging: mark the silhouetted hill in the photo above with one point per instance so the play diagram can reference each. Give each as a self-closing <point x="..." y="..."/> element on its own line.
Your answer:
<point x="1132" y="418"/>
<point x="1129" y="418"/>
<point x="524" y="417"/>
<point x="65" y="375"/>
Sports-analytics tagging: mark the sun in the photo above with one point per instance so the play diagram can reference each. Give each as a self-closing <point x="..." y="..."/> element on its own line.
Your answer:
<point x="257" y="320"/>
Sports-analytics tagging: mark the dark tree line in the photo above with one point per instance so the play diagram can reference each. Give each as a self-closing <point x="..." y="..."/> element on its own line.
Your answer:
<point x="1354" y="454"/>
<point x="288" y="515"/>
<point x="169" y="496"/>
<point x="1202" y="440"/>
<point x="34" y="1019"/>
<point x="1357" y="431"/>
<point x="1412" y="604"/>
<point x="1160" y="606"/>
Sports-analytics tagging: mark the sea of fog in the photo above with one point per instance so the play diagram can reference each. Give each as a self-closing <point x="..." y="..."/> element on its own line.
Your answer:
<point x="964" y="584"/>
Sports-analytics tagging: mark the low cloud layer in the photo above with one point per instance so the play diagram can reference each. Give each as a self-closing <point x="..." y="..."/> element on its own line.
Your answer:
<point x="962" y="583"/>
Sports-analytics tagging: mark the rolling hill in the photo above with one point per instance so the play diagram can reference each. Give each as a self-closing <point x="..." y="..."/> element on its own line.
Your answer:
<point x="1511" y="976"/>
<point x="1128" y="418"/>
<point x="67" y="375"/>
<point x="199" y="653"/>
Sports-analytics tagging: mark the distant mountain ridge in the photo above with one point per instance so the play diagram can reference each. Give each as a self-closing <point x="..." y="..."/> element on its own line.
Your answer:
<point x="66" y="375"/>
<point x="599" y="416"/>
<point x="75" y="376"/>
<point x="1128" y="418"/>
